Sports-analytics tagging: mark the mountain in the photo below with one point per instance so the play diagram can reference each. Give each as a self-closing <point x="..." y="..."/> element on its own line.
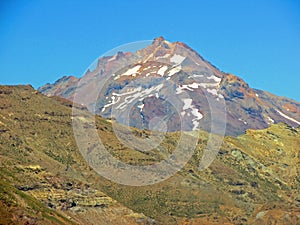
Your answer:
<point x="173" y="84"/>
<point x="45" y="179"/>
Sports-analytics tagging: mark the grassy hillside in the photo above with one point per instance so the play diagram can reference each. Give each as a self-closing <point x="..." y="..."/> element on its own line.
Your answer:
<point x="45" y="180"/>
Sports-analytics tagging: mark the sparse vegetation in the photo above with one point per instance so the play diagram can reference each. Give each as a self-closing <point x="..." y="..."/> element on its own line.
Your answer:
<point x="38" y="150"/>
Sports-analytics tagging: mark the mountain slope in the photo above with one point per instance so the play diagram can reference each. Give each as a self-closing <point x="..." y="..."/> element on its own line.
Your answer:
<point x="44" y="179"/>
<point x="150" y="78"/>
<point x="253" y="180"/>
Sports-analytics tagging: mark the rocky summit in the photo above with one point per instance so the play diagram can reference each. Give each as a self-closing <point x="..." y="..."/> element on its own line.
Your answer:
<point x="173" y="84"/>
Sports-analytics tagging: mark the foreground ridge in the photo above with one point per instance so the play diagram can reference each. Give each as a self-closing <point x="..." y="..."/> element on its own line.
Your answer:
<point x="253" y="180"/>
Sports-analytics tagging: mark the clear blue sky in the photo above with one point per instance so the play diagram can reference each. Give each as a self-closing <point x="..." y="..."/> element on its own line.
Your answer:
<point x="258" y="40"/>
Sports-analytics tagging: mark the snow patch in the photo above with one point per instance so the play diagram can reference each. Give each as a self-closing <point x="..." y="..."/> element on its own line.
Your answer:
<point x="215" y="92"/>
<point x="141" y="107"/>
<point x="177" y="59"/>
<point x="213" y="77"/>
<point x="270" y="119"/>
<point x="179" y="90"/>
<point x="174" y="70"/>
<point x="189" y="87"/>
<point x="163" y="57"/>
<point x="206" y="85"/>
<point x="196" y="113"/>
<point x="287" y="117"/>
<point x="113" y="101"/>
<point x="196" y="124"/>
<point x="212" y="91"/>
<point x="198" y="75"/>
<point x="187" y="103"/>
<point x="243" y="121"/>
<point x="140" y="94"/>
<point x="131" y="91"/>
<point x="132" y="71"/>
<point x="162" y="70"/>
<point x="195" y="85"/>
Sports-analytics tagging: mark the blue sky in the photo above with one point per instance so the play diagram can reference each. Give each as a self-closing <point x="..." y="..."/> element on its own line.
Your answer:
<point x="258" y="40"/>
